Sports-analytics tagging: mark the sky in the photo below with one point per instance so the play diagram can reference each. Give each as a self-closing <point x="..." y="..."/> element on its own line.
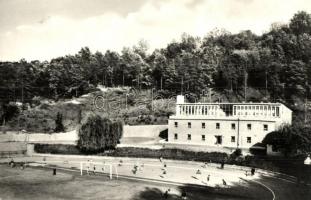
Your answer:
<point x="45" y="29"/>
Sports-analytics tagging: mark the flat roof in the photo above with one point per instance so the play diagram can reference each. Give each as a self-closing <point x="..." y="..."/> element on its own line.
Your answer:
<point x="249" y="103"/>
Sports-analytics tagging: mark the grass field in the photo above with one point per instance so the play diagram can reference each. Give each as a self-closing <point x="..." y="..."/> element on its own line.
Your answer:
<point x="39" y="183"/>
<point x="36" y="183"/>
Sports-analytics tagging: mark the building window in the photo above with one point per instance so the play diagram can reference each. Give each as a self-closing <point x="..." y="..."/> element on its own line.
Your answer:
<point x="265" y="127"/>
<point x="217" y="126"/>
<point x="189" y="136"/>
<point x="249" y="127"/>
<point x="175" y="136"/>
<point x="176" y="124"/>
<point x="233" y="126"/>
<point x="218" y="139"/>
<point x="249" y="140"/>
<point x="203" y="137"/>
<point x="232" y="138"/>
<point x="203" y="125"/>
<point x="189" y="124"/>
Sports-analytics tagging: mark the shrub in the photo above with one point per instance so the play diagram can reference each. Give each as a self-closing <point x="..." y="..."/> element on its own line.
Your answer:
<point x="44" y="106"/>
<point x="237" y="153"/>
<point x="176" y="154"/>
<point x="57" y="149"/>
<point x="290" y="139"/>
<point x="36" y="101"/>
<point x="165" y="93"/>
<point x="8" y="111"/>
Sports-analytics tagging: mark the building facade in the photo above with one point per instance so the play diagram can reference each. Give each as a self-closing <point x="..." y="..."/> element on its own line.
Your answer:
<point x="233" y="125"/>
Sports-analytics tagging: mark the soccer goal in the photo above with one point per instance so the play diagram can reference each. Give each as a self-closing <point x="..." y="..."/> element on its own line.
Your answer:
<point x="100" y="168"/>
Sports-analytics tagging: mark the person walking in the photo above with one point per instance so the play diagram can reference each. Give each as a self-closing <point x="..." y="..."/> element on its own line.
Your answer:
<point x="224" y="182"/>
<point x="253" y="171"/>
<point x="94" y="169"/>
<point x="222" y="164"/>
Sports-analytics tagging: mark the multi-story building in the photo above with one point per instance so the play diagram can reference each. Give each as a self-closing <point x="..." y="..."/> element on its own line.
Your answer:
<point x="233" y="125"/>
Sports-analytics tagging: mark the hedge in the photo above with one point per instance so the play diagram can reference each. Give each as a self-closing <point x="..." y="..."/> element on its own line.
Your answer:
<point x="176" y="154"/>
<point x="57" y="149"/>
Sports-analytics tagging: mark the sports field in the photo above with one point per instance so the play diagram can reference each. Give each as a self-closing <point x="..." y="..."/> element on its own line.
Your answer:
<point x="149" y="182"/>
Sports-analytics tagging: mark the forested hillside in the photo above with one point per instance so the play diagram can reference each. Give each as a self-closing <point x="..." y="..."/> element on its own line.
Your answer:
<point x="274" y="66"/>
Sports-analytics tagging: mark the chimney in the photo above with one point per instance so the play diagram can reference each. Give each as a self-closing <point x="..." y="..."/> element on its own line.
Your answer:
<point x="180" y="99"/>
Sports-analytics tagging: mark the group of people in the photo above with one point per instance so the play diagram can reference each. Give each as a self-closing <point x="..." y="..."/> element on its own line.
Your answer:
<point x="137" y="167"/>
<point x="13" y="164"/>
<point x="91" y="167"/>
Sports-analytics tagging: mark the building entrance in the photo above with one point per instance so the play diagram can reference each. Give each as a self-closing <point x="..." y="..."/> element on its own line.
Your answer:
<point x="218" y="139"/>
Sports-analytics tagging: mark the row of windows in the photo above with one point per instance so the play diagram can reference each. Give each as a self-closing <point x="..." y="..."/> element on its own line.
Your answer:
<point x="249" y="126"/>
<point x="219" y="138"/>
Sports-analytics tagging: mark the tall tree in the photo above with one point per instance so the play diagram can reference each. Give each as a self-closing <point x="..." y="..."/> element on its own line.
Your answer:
<point x="301" y="23"/>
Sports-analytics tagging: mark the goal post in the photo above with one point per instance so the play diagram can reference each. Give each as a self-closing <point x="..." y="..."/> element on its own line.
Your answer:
<point x="97" y="167"/>
<point x="82" y="166"/>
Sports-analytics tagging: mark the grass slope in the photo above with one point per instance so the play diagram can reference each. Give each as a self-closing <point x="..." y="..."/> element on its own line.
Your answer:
<point x="134" y="107"/>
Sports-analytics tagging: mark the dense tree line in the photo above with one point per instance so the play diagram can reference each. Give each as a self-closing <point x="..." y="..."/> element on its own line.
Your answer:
<point x="277" y="63"/>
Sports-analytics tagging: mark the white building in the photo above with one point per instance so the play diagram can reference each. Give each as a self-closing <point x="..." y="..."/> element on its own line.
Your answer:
<point x="233" y="125"/>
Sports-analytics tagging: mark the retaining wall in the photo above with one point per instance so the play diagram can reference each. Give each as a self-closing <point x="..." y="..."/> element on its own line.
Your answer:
<point x="63" y="138"/>
<point x="147" y="131"/>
